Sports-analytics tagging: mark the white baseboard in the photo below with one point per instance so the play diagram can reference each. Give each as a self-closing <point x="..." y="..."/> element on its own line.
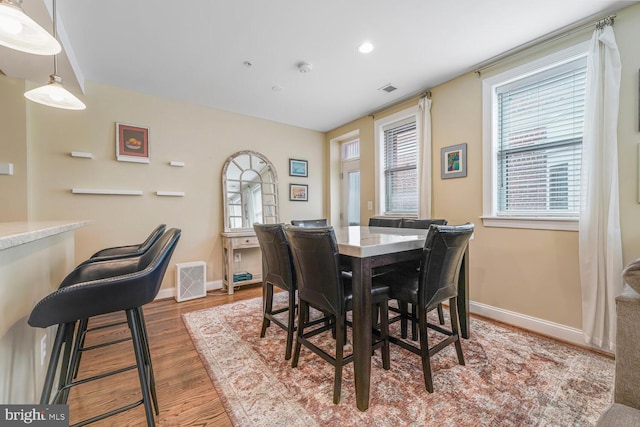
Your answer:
<point x="171" y="292"/>
<point x="543" y="327"/>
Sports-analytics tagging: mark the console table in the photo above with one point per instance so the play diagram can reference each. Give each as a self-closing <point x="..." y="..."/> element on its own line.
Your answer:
<point x="240" y="253"/>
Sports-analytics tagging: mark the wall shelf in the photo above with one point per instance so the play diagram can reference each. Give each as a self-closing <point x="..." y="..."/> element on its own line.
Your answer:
<point x="82" y="154"/>
<point x="106" y="192"/>
<point x="170" y="193"/>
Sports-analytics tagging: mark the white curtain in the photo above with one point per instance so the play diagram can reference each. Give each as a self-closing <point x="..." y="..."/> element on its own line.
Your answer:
<point x="424" y="158"/>
<point x="600" y="243"/>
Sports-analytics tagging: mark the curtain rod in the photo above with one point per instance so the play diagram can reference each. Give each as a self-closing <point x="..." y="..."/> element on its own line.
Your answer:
<point x="598" y="20"/>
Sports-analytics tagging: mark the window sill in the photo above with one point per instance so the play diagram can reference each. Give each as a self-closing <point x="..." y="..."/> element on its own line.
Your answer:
<point x="558" y="224"/>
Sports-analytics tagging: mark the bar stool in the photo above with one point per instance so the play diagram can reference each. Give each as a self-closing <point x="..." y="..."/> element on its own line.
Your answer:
<point x="99" y="288"/>
<point x="116" y="252"/>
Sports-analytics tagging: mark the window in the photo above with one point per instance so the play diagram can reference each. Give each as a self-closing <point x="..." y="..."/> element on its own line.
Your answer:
<point x="535" y="117"/>
<point x="398" y="164"/>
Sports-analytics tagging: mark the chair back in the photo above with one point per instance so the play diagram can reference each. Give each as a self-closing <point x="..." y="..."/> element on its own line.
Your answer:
<point x="310" y="222"/>
<point x="315" y="258"/>
<point x="421" y="223"/>
<point x="385" y="222"/>
<point x="277" y="265"/>
<point x="130" y="250"/>
<point x="442" y="255"/>
<point x="108" y="286"/>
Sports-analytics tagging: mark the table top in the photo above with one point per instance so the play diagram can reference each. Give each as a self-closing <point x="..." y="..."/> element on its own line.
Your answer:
<point x="363" y="241"/>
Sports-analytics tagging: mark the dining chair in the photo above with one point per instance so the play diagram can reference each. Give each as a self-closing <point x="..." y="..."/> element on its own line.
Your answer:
<point x="435" y="282"/>
<point x="98" y="288"/>
<point x="310" y="222"/>
<point x="277" y="270"/>
<point x="422" y="224"/>
<point x="384" y="222"/>
<point x="322" y="287"/>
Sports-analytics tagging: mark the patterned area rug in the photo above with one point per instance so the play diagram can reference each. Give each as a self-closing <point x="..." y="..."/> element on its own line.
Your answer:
<point x="511" y="378"/>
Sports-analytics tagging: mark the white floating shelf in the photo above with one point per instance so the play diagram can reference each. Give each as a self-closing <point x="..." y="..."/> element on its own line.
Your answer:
<point x="170" y="193"/>
<point x="178" y="164"/>
<point x="107" y="192"/>
<point x="81" y="154"/>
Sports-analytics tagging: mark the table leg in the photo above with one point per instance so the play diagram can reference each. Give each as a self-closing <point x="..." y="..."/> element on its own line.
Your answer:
<point x="463" y="295"/>
<point x="361" y="284"/>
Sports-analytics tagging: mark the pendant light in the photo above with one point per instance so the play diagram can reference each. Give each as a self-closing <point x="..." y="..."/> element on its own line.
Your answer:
<point x="53" y="93"/>
<point x="18" y="31"/>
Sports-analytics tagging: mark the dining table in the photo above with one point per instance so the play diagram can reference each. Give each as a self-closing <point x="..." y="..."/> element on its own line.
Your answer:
<point x="368" y="248"/>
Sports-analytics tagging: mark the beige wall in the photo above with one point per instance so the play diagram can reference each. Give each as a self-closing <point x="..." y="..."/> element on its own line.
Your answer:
<point x="13" y="189"/>
<point x="201" y="137"/>
<point x="530" y="272"/>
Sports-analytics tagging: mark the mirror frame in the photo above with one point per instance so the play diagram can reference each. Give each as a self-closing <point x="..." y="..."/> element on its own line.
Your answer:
<point x="230" y="159"/>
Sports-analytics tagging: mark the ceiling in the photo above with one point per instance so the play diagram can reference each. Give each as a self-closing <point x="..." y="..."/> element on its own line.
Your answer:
<point x="194" y="51"/>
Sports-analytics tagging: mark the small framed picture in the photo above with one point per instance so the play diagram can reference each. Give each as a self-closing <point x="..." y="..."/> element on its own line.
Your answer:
<point x="132" y="143"/>
<point x="298" y="167"/>
<point x="298" y="192"/>
<point x="454" y="161"/>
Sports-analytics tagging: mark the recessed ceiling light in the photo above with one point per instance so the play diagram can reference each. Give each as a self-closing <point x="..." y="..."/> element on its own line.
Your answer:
<point x="365" y="47"/>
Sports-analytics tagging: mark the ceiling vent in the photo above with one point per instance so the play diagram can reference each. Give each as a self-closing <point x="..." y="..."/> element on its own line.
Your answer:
<point x="388" y="88"/>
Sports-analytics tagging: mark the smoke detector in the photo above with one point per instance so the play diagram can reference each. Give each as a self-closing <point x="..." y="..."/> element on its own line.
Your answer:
<point x="304" y="67"/>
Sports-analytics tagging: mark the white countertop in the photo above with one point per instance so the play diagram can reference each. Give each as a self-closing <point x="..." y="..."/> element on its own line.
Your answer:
<point x="362" y="241"/>
<point x="21" y="232"/>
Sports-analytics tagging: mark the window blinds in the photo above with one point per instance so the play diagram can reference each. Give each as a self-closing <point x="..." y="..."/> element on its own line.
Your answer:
<point x="539" y="142"/>
<point x="400" y="168"/>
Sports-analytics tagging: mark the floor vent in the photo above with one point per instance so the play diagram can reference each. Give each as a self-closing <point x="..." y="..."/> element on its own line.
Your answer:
<point x="191" y="280"/>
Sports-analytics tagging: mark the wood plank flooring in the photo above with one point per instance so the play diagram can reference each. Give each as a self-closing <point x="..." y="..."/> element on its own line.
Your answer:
<point x="186" y="395"/>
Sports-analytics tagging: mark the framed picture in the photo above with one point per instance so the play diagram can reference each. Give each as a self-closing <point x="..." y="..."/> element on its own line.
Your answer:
<point x="132" y="143"/>
<point x="298" y="192"/>
<point x="454" y="161"/>
<point x="298" y="167"/>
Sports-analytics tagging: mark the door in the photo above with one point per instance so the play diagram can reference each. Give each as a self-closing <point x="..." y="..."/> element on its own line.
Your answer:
<point x="350" y="207"/>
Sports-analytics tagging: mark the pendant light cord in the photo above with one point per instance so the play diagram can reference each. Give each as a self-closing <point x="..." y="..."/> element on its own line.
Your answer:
<point x="55" y="36"/>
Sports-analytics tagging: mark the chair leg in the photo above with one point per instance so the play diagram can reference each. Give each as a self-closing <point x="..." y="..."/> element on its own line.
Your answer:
<point x="53" y="363"/>
<point x="424" y="350"/>
<point x="414" y="323"/>
<point x="455" y="328"/>
<point x="290" y="324"/>
<point x="142" y="375"/>
<point x="384" y="331"/>
<point x="267" y="304"/>
<point x="79" y="343"/>
<point x="66" y="373"/>
<point x="440" y="314"/>
<point x="303" y="313"/>
<point x="340" y="333"/>
<point x="147" y="356"/>
<point x="404" y="313"/>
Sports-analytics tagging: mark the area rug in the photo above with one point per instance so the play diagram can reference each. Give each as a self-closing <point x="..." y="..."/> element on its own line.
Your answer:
<point x="511" y="378"/>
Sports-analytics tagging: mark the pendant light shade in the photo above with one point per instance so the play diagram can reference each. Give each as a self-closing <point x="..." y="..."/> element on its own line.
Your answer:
<point x="55" y="95"/>
<point x="18" y="31"/>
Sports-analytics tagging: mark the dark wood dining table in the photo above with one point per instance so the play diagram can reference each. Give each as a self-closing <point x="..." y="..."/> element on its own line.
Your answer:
<point x="371" y="247"/>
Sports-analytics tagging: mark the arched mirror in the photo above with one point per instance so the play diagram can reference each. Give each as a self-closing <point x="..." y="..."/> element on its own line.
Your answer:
<point x="250" y="191"/>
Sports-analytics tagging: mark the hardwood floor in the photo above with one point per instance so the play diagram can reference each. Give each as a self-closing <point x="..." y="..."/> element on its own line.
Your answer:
<point x="186" y="396"/>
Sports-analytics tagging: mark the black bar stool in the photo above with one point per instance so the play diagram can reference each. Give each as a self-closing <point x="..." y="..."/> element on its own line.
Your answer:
<point x="98" y="288"/>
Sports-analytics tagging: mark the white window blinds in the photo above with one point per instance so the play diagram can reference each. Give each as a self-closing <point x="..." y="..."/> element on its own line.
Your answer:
<point x="539" y="142"/>
<point x="400" y="168"/>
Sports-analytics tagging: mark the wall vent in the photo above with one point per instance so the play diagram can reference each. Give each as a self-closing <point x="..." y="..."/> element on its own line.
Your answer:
<point x="191" y="280"/>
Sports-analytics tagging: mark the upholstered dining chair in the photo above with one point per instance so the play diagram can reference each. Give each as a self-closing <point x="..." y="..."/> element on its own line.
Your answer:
<point x="422" y="224"/>
<point x="277" y="270"/>
<point x="435" y="282"/>
<point x="322" y="222"/>
<point x="384" y="222"/>
<point x="99" y="288"/>
<point x="322" y="286"/>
